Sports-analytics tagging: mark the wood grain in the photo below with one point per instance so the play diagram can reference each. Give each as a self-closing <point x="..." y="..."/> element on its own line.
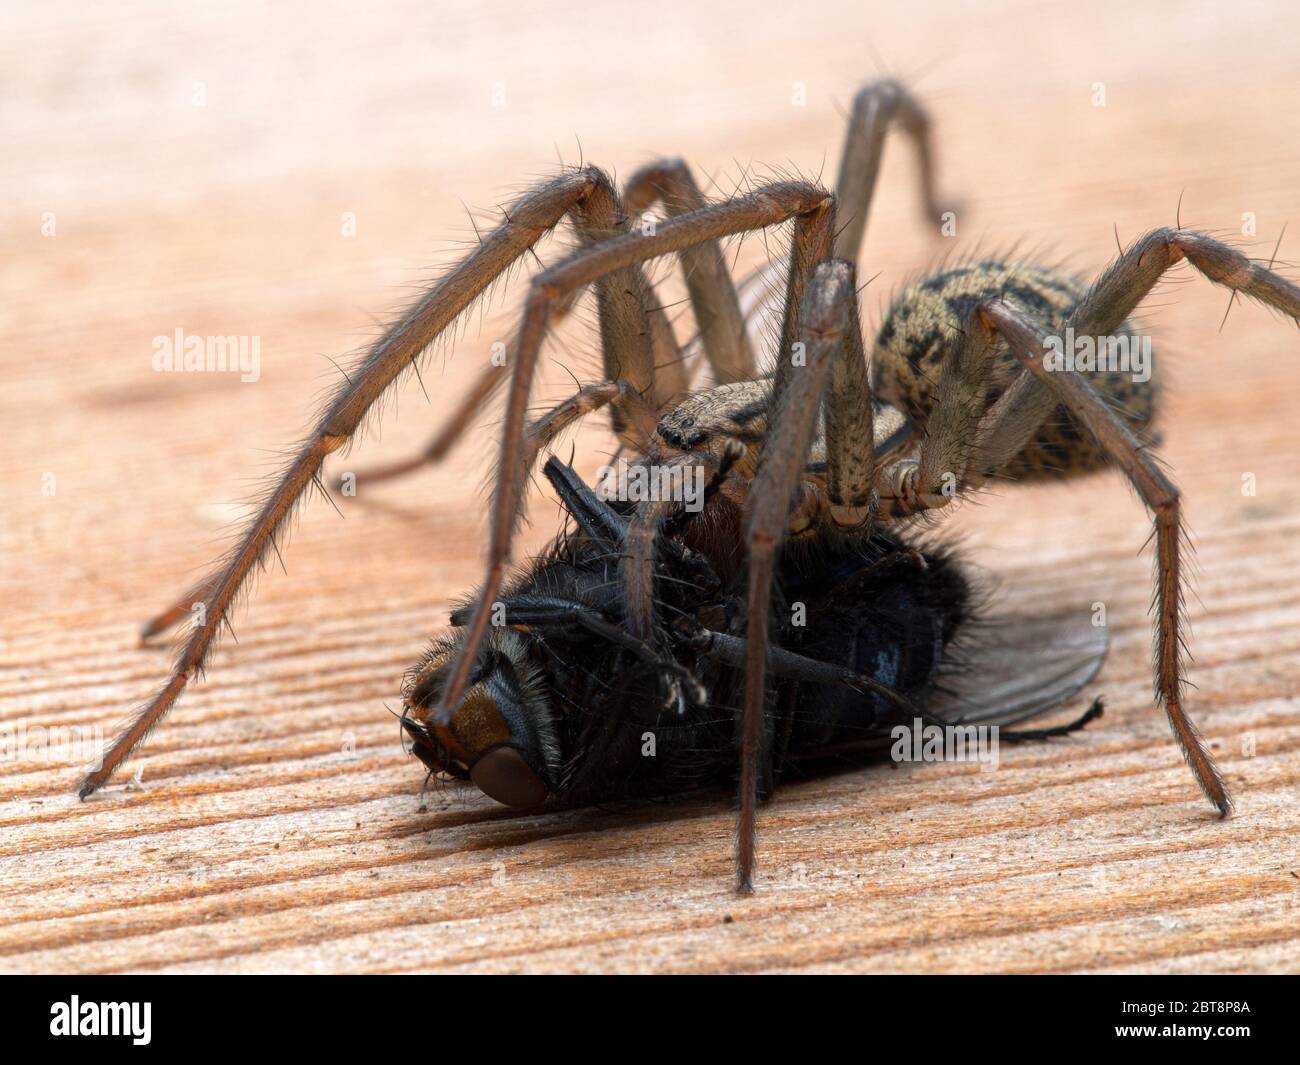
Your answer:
<point x="277" y="825"/>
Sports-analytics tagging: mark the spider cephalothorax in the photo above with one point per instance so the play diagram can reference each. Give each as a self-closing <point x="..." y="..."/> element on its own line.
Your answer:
<point x="965" y="384"/>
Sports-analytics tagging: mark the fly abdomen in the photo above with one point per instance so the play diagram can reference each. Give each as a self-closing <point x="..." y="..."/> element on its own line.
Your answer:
<point x="884" y="611"/>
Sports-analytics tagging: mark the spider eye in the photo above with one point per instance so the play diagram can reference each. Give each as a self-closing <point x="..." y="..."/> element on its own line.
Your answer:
<point x="502" y="774"/>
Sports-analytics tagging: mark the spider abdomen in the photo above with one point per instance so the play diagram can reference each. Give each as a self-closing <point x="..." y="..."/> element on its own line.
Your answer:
<point x="923" y="330"/>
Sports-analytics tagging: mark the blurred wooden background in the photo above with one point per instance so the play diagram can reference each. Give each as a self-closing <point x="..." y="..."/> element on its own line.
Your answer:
<point x="198" y="166"/>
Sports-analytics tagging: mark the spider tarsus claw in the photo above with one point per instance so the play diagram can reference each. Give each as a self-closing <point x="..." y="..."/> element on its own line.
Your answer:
<point x="1223" y="803"/>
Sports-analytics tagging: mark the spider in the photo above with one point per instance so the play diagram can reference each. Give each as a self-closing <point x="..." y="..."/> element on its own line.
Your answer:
<point x="958" y="391"/>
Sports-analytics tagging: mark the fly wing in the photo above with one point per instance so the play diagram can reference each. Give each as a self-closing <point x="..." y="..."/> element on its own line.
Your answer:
<point x="1010" y="669"/>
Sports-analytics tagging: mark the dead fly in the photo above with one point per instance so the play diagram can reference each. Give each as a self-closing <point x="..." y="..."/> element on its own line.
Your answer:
<point x="564" y="704"/>
<point x="967" y="383"/>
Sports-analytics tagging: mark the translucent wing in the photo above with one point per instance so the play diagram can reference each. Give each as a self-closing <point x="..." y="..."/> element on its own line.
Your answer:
<point x="1010" y="669"/>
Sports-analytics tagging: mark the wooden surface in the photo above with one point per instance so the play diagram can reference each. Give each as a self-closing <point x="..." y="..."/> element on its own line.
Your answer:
<point x="276" y="824"/>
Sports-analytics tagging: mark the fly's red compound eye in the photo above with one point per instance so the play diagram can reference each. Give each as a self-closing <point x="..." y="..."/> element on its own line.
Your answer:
<point x="502" y="774"/>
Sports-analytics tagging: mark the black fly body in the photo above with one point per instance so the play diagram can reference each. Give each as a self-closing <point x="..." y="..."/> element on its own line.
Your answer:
<point x="565" y="705"/>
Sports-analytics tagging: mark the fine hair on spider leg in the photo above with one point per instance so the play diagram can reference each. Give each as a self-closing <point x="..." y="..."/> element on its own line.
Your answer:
<point x="765" y="206"/>
<point x="528" y="219"/>
<point x="1108" y="303"/>
<point x="608" y="263"/>
<point x="828" y="319"/>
